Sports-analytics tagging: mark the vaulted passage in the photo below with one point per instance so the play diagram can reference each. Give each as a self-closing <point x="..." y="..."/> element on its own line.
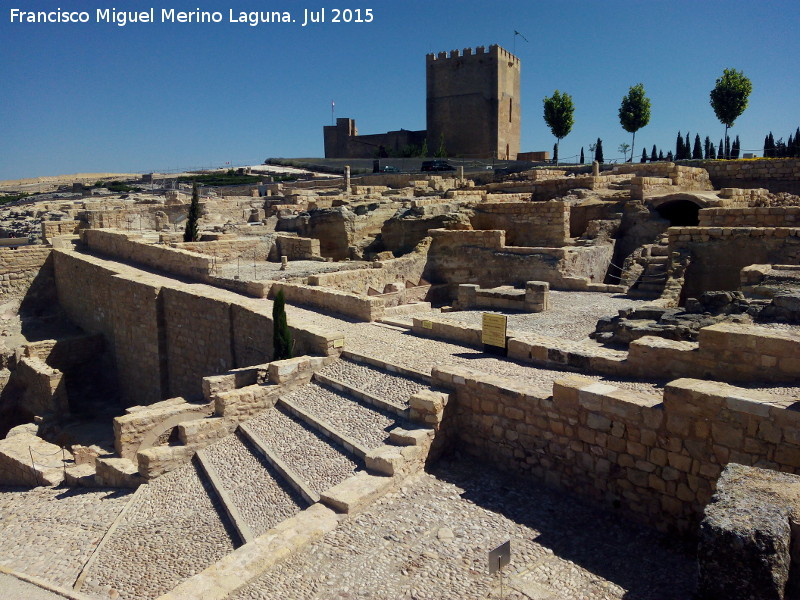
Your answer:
<point x="680" y="213"/>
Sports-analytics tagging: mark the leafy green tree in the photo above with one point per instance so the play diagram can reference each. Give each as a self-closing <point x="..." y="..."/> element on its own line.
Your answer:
<point x="281" y="334"/>
<point x="644" y="155"/>
<point x="634" y="112"/>
<point x="424" y="150"/>
<point x="653" y="154"/>
<point x="729" y="97"/>
<point x="558" y="114"/>
<point x="598" y="151"/>
<point x="697" y="151"/>
<point x="191" y="233"/>
<point x="624" y="147"/>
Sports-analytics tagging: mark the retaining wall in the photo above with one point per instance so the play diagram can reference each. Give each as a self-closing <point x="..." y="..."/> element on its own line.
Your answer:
<point x="659" y="457"/>
<point x="544" y="224"/>
<point x="24" y="270"/>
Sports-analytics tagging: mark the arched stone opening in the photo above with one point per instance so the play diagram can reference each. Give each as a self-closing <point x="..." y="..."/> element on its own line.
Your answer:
<point x="679" y="213"/>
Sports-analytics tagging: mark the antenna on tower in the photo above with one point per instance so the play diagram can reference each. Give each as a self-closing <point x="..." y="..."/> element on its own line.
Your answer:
<point x="514" y="43"/>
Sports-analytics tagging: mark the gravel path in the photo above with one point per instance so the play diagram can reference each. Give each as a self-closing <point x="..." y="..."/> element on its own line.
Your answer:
<point x="363" y="423"/>
<point x="310" y="455"/>
<point x="429" y="540"/>
<point x="388" y="386"/>
<point x="571" y="316"/>
<point x="256" y="488"/>
<point x="52" y="532"/>
<point x="173" y="532"/>
<point x="422" y="354"/>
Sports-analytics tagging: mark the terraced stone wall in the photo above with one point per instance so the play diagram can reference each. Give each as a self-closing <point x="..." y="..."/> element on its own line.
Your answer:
<point x="659" y="458"/>
<point x="406" y="269"/>
<point x="51" y="229"/>
<point x="225" y="250"/>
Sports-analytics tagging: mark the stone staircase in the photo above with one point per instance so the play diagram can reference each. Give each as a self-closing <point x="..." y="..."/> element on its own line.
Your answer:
<point x="351" y="418"/>
<point x="646" y="272"/>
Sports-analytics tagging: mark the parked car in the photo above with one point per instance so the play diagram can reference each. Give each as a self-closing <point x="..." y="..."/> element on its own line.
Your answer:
<point x="437" y="165"/>
<point x="390" y="169"/>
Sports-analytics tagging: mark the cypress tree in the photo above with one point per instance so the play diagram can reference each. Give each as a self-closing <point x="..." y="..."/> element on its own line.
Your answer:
<point x="707" y="148"/>
<point x="790" y="146"/>
<point x="687" y="148"/>
<point x="679" y="146"/>
<point x="712" y="153"/>
<point x="555" y="153"/>
<point x="670" y="158"/>
<point x="697" y="152"/>
<point x="721" y="149"/>
<point x="660" y="155"/>
<point x="598" y="151"/>
<point x="766" y="145"/>
<point x="644" y="155"/>
<point x="653" y="154"/>
<point x="770" y="145"/>
<point x="727" y="146"/>
<point x="191" y="233"/>
<point x="737" y="147"/>
<point x="582" y="161"/>
<point x="281" y="335"/>
<point x="797" y="142"/>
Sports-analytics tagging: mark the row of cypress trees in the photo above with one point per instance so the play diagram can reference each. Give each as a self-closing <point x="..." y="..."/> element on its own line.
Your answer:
<point x="781" y="149"/>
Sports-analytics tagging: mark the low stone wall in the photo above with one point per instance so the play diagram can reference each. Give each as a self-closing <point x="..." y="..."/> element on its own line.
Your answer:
<point x="363" y="308"/>
<point x="44" y="390"/>
<point x="131" y="248"/>
<point x="481" y="257"/>
<point x="407" y="269"/>
<point x="51" y="229"/>
<point x="26" y="459"/>
<point x="657" y="457"/>
<point x="544" y="224"/>
<point x="26" y="270"/>
<point x="534" y="298"/>
<point x="297" y="248"/>
<point x="777" y="216"/>
<point x="225" y="250"/>
<point x="775" y="174"/>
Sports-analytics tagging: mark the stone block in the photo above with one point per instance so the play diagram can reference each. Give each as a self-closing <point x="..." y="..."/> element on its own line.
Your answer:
<point x="356" y="492"/>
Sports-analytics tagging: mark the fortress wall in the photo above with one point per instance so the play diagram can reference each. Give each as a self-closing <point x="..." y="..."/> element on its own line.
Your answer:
<point x="167" y="335"/>
<point x="720" y="253"/>
<point x="543" y="224"/>
<point x="24" y="270"/>
<point x="658" y="457"/>
<point x="763" y="216"/>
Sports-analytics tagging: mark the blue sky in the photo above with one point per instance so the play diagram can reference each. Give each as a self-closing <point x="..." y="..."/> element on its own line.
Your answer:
<point x="164" y="96"/>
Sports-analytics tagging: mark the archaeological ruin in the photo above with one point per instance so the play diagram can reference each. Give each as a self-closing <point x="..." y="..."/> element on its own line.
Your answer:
<point x="598" y="363"/>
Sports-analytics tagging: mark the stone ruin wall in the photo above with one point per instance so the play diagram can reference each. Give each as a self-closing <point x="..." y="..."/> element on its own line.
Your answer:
<point x="531" y="224"/>
<point x="657" y="457"/>
<point x="775" y="174"/>
<point x="166" y="337"/>
<point x="720" y="253"/>
<point x="26" y="271"/>
<point x="762" y="216"/>
<point x="481" y="257"/>
<point x="225" y="250"/>
<point x="51" y="229"/>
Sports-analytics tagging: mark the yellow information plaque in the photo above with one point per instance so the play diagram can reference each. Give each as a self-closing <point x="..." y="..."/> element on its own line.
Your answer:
<point x="427" y="325"/>
<point x="494" y="330"/>
<point x="339" y="343"/>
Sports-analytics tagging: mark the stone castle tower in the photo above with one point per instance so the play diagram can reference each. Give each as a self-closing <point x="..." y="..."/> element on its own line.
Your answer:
<point x="473" y="101"/>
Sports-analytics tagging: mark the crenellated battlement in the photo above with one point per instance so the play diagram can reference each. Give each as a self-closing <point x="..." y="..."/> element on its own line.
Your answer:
<point x="494" y="50"/>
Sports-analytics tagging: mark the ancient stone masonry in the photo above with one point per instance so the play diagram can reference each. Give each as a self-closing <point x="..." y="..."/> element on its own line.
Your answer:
<point x="532" y="224"/>
<point x="24" y="267"/>
<point x="659" y="457"/>
<point x="764" y="216"/>
<point x="775" y="174"/>
<point x="154" y="326"/>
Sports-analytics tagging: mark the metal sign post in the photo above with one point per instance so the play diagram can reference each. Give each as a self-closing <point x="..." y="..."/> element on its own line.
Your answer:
<point x="499" y="558"/>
